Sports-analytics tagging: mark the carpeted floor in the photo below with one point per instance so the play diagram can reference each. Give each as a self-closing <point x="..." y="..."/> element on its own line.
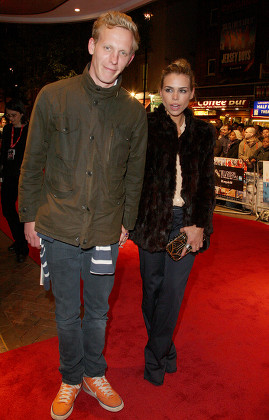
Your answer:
<point x="221" y="338"/>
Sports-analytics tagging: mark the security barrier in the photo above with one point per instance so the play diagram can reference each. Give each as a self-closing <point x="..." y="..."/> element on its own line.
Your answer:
<point x="236" y="188"/>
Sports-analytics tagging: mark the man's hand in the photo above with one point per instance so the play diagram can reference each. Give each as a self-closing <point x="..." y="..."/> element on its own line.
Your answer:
<point x="31" y="235"/>
<point x="124" y="236"/>
<point x="195" y="238"/>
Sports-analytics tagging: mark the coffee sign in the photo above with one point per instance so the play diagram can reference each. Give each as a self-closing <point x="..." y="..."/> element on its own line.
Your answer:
<point x="226" y="103"/>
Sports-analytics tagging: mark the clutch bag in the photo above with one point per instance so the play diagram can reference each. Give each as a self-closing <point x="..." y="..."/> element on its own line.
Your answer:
<point x="176" y="245"/>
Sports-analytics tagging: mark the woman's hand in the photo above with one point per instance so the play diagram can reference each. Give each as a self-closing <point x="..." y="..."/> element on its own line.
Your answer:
<point x="195" y="238"/>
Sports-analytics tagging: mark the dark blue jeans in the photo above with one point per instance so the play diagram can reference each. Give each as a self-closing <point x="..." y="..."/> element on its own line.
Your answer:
<point x="164" y="283"/>
<point x="81" y="343"/>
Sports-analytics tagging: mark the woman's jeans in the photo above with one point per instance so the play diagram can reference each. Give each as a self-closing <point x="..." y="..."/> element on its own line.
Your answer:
<point x="164" y="283"/>
<point x="81" y="343"/>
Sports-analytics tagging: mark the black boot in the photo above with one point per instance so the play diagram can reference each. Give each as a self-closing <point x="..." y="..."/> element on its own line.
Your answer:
<point x="22" y="252"/>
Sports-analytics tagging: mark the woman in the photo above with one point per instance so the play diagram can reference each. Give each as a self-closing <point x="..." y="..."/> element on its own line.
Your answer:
<point x="13" y="145"/>
<point x="235" y="138"/>
<point x="177" y="196"/>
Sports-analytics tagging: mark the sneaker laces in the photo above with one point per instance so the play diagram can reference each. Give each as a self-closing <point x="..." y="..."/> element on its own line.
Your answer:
<point x="103" y="385"/>
<point x="66" y="392"/>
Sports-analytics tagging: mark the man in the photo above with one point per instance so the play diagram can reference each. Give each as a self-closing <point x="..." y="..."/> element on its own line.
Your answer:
<point x="90" y="136"/>
<point x="221" y="147"/>
<point x="249" y="144"/>
<point x="265" y="132"/>
<point x="262" y="154"/>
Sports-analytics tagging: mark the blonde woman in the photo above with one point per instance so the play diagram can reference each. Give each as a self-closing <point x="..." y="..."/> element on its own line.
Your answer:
<point x="177" y="196"/>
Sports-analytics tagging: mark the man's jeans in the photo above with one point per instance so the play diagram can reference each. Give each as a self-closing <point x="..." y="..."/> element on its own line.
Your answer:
<point x="80" y="343"/>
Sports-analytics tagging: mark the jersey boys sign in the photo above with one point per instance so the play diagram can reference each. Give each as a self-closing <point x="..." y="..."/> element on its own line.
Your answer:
<point x="237" y="44"/>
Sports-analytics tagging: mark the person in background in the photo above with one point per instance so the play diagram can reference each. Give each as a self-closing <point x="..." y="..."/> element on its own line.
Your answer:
<point x="259" y="131"/>
<point x="223" y="141"/>
<point x="262" y="154"/>
<point x="235" y="139"/>
<point x="89" y="135"/>
<point x="218" y="146"/>
<point x="234" y="125"/>
<point x="3" y="122"/>
<point x="218" y="125"/>
<point x="241" y="128"/>
<point x="249" y="144"/>
<point x="265" y="132"/>
<point x="178" y="195"/>
<point x="12" y="151"/>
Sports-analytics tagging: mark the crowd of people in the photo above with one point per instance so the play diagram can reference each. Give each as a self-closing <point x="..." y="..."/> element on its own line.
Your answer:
<point x="251" y="144"/>
<point x="96" y="168"/>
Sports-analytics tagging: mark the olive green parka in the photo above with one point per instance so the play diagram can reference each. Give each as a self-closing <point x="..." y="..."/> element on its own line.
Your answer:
<point x="83" y="166"/>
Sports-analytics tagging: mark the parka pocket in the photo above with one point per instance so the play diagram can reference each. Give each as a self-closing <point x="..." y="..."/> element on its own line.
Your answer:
<point x="116" y="185"/>
<point x="59" y="178"/>
<point x="66" y="137"/>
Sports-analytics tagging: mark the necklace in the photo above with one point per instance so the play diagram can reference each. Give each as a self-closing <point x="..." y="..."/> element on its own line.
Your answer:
<point x="12" y="145"/>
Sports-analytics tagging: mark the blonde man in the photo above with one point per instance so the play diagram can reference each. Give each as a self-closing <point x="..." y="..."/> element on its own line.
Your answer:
<point x="89" y="135"/>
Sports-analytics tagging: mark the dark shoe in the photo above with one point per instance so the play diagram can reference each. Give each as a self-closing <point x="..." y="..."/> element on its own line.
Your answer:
<point x="22" y="252"/>
<point x="12" y="247"/>
<point x="170" y="370"/>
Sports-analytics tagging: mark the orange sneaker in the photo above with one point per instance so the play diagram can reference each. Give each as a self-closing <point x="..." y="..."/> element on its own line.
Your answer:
<point x="101" y="389"/>
<point x="63" y="404"/>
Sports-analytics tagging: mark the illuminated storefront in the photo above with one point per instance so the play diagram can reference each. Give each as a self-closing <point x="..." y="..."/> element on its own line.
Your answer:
<point x="228" y="110"/>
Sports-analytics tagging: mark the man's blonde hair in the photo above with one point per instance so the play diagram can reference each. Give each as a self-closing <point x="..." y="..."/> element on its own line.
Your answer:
<point x="116" y="19"/>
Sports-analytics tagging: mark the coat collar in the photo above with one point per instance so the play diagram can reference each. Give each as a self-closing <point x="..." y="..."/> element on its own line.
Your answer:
<point x="161" y="113"/>
<point x="97" y="91"/>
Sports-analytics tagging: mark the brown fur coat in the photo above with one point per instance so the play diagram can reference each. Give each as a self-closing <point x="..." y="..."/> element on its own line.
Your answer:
<point x="195" y="147"/>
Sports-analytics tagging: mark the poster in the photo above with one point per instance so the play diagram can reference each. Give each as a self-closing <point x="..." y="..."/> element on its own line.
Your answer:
<point x="237" y="44"/>
<point x="229" y="178"/>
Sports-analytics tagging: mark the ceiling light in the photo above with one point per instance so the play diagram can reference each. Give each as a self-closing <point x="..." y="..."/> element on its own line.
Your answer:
<point x="77" y="10"/>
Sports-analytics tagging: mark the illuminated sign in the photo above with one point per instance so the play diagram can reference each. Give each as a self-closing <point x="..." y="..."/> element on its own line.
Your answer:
<point x="261" y="109"/>
<point x="223" y="103"/>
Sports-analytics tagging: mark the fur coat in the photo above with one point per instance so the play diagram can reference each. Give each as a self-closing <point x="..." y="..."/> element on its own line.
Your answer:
<point x="195" y="147"/>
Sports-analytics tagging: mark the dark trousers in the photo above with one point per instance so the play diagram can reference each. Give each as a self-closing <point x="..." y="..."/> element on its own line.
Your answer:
<point x="81" y="343"/>
<point x="9" y="196"/>
<point x="164" y="283"/>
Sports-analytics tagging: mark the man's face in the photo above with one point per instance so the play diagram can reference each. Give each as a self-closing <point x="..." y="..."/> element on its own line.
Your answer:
<point x="225" y="130"/>
<point x="110" y="55"/>
<point x="265" y="142"/>
<point x="218" y="124"/>
<point x="265" y="133"/>
<point x="249" y="132"/>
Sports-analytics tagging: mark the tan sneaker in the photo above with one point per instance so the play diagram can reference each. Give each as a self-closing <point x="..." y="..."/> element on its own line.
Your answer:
<point x="63" y="404"/>
<point x="100" y="389"/>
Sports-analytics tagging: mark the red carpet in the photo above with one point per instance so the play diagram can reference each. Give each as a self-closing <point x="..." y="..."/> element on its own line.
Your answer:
<point x="221" y="338"/>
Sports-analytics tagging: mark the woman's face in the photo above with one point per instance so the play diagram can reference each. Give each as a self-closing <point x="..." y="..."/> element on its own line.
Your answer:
<point x="14" y="117"/>
<point x="232" y="136"/>
<point x="176" y="94"/>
